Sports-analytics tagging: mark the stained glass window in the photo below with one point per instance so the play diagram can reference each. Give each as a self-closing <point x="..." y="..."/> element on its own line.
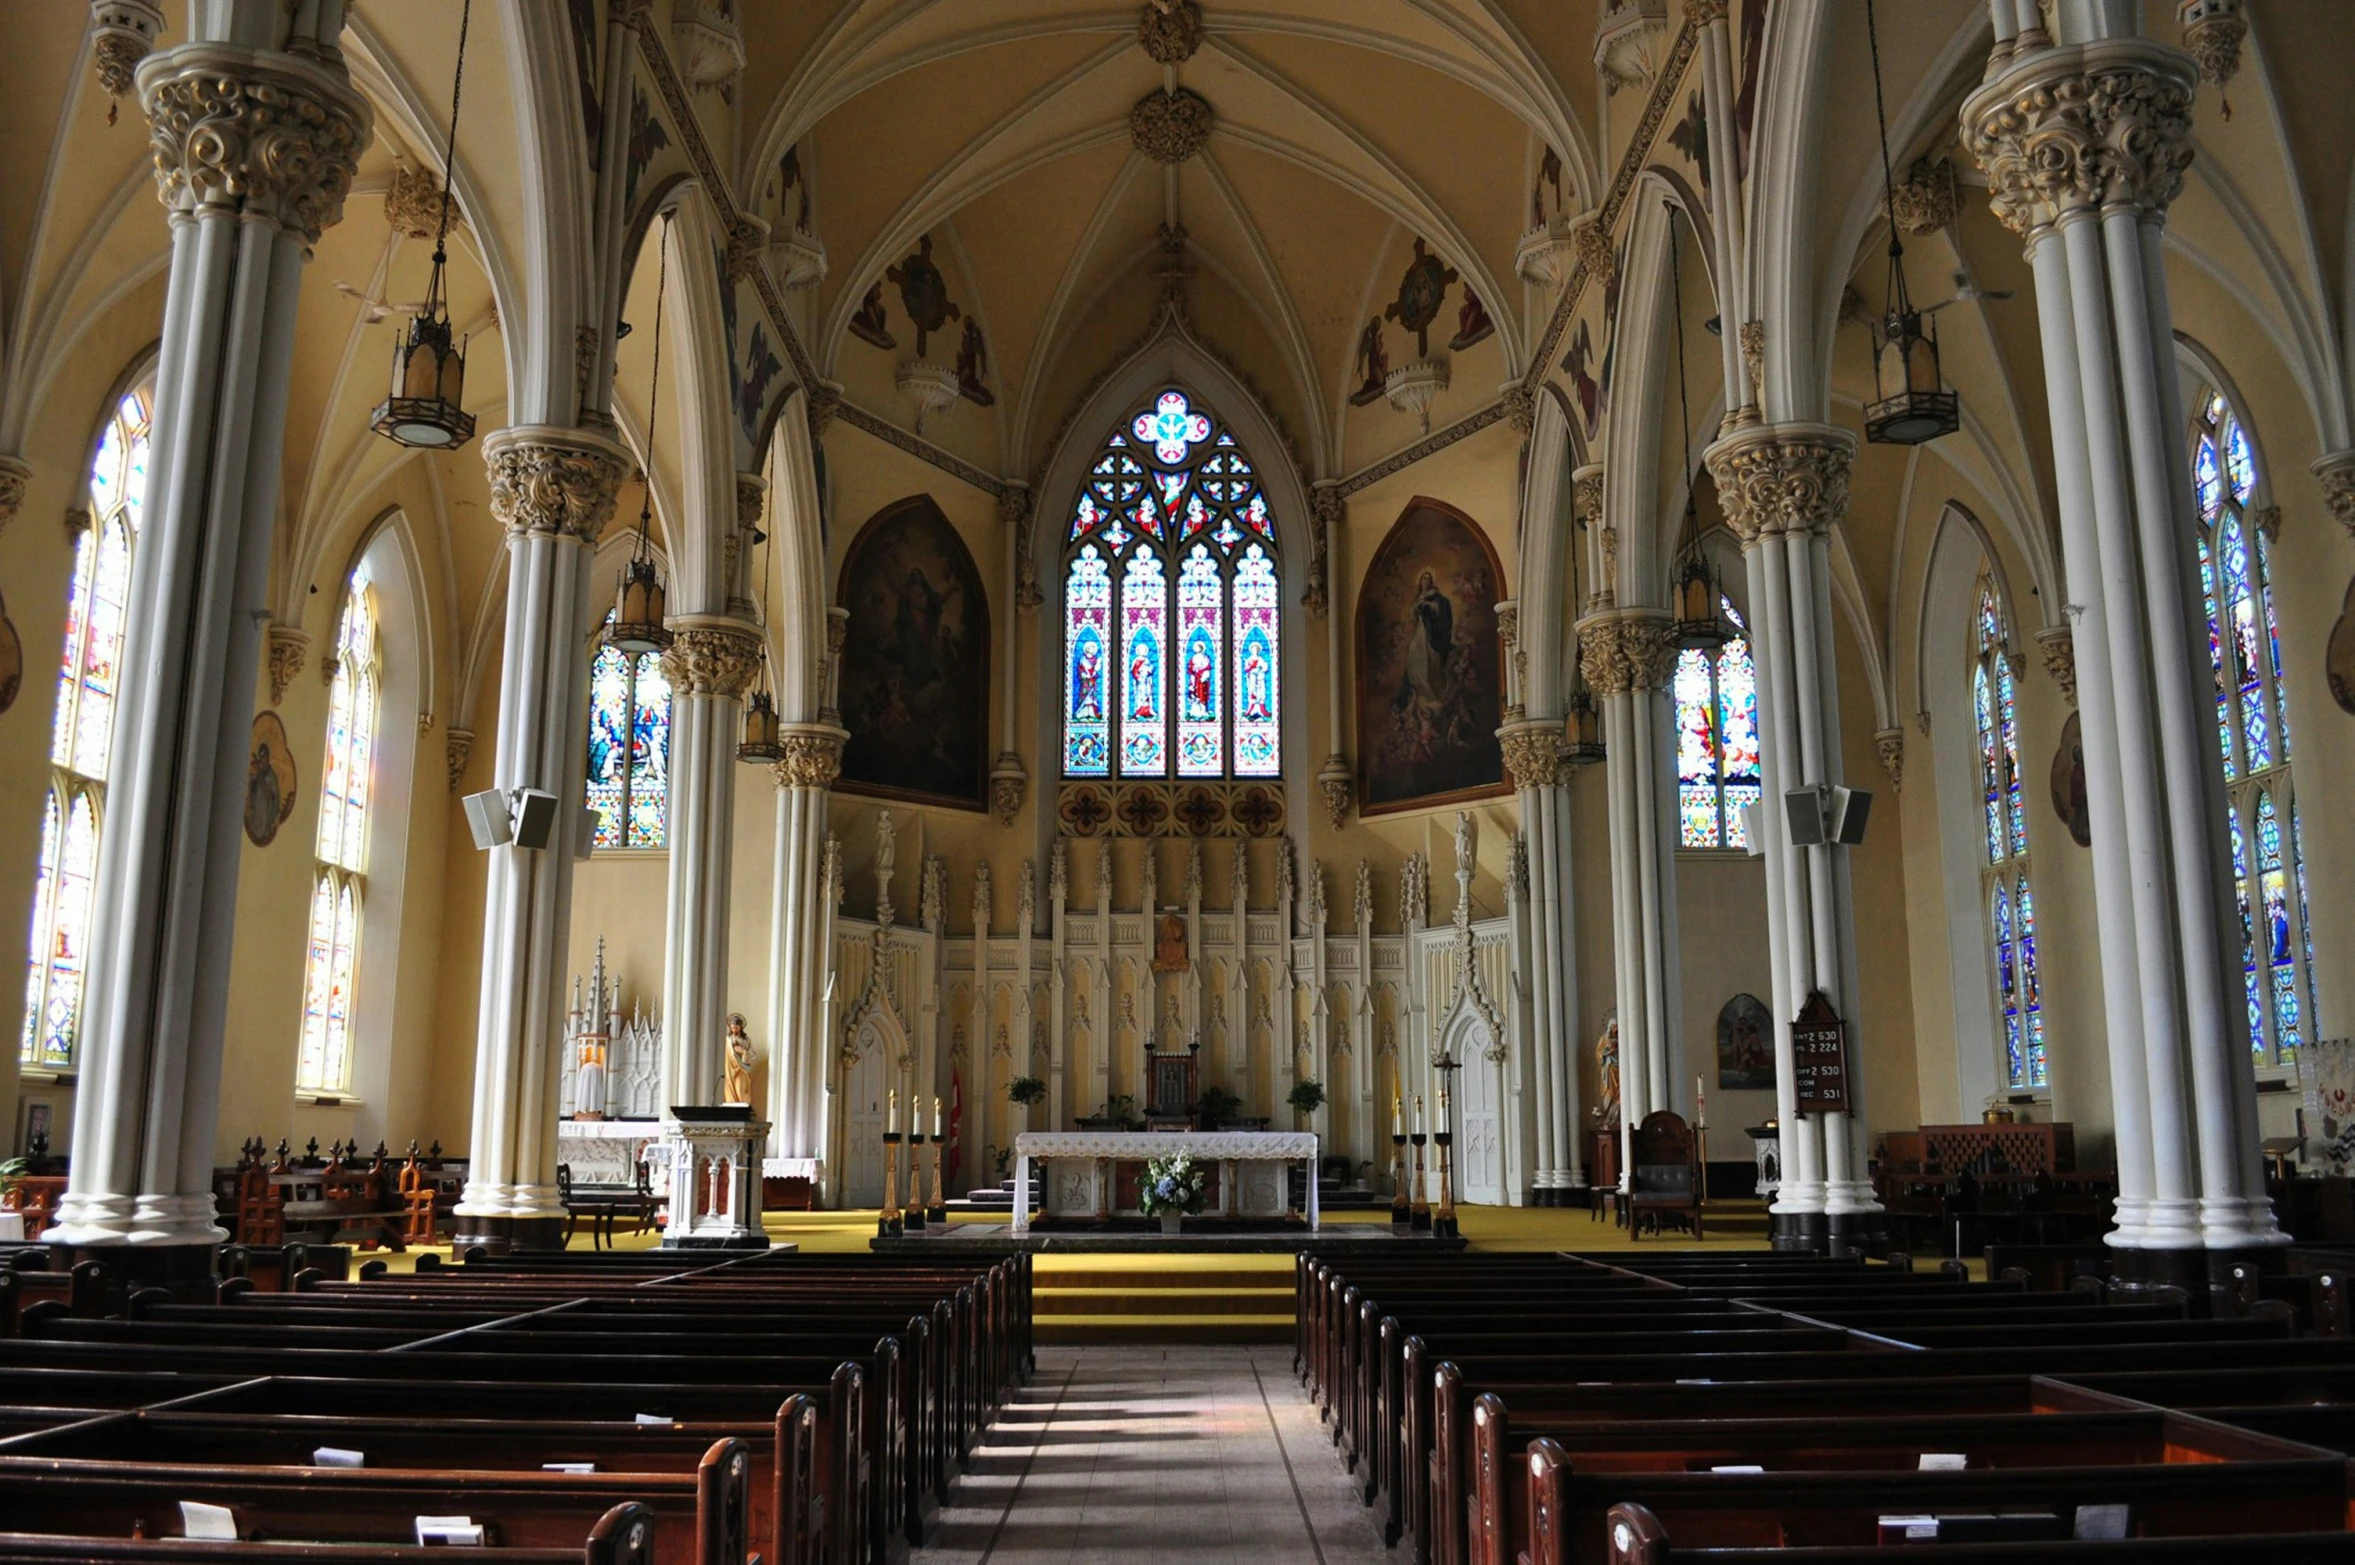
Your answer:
<point x="2011" y="901"/>
<point x="1717" y="770"/>
<point x="331" y="966"/>
<point x="89" y="669"/>
<point x="629" y="747"/>
<point x="2252" y="731"/>
<point x="1171" y="634"/>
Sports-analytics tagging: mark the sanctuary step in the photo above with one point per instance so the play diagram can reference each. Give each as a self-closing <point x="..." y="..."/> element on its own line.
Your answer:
<point x="1160" y="1302"/>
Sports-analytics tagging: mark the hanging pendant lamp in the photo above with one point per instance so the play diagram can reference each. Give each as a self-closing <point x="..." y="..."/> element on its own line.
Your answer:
<point x="761" y="739"/>
<point x="1697" y="592"/>
<point x="638" y="610"/>
<point x="1911" y="404"/>
<point x="425" y="409"/>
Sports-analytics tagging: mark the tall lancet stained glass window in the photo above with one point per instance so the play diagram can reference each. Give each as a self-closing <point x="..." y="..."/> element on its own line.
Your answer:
<point x="88" y="670"/>
<point x="2252" y="731"/>
<point x="1717" y="770"/>
<point x="629" y="747"/>
<point x="1171" y="636"/>
<point x="339" y="887"/>
<point x="2004" y="883"/>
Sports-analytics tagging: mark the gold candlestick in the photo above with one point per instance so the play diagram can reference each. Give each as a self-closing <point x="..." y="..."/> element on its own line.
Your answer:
<point x="1420" y="1208"/>
<point x="937" y="1211"/>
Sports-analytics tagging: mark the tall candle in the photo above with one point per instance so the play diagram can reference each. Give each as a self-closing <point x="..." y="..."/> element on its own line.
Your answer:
<point x="1397" y="1114"/>
<point x="940" y="1124"/>
<point x="1700" y="1101"/>
<point x="1418" y="1113"/>
<point x="891" y="1111"/>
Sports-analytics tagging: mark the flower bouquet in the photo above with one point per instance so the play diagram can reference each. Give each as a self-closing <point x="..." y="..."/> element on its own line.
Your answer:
<point x="1173" y="1188"/>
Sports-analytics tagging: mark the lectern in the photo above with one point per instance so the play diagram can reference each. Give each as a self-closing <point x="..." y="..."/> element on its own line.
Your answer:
<point x="715" y="1160"/>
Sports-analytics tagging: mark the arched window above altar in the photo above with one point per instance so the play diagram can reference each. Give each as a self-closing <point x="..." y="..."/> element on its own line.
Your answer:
<point x="1171" y="630"/>
<point x="629" y="747"/>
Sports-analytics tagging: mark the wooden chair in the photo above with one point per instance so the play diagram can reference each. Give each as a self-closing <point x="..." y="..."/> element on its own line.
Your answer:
<point x="1664" y="1175"/>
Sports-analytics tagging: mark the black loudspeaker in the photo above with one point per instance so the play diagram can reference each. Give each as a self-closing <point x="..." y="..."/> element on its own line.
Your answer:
<point x="535" y="818"/>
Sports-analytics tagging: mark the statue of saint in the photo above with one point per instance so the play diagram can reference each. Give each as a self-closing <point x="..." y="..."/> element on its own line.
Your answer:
<point x="736" y="1069"/>
<point x="1607" y="1073"/>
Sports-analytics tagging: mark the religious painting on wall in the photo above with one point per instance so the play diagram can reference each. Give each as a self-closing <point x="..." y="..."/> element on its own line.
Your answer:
<point x="269" y="780"/>
<point x="1430" y="665"/>
<point x="915" y="669"/>
<point x="1745" y="1045"/>
<point x="2339" y="660"/>
<point x="2068" y="782"/>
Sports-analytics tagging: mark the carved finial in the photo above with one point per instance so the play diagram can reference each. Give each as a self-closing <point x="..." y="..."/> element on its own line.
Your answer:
<point x="886" y="849"/>
<point x="1364" y="907"/>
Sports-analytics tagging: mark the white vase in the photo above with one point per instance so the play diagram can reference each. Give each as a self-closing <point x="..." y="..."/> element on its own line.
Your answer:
<point x="1172" y="1222"/>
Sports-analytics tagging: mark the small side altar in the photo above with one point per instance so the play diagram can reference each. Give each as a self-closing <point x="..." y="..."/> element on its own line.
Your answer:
<point x="1083" y="1177"/>
<point x="714" y="1179"/>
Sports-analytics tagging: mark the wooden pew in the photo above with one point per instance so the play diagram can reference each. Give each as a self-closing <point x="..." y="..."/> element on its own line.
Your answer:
<point x="624" y="1535"/>
<point x="1638" y="1538"/>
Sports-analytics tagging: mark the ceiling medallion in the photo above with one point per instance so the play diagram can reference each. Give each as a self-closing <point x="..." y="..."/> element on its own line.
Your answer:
<point x="1170" y="30"/>
<point x="1170" y="126"/>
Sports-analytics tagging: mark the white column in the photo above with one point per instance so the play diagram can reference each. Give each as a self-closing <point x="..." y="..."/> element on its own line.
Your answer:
<point x="1783" y="487"/>
<point x="1008" y="780"/>
<point x="256" y="132"/>
<point x="801" y="918"/>
<point x="710" y="664"/>
<point x="2116" y="110"/>
<point x="552" y="489"/>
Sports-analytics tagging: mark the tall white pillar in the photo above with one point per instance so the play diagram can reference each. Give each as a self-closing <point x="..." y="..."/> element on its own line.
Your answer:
<point x="710" y="663"/>
<point x="1626" y="656"/>
<point x="255" y="145"/>
<point x="801" y="914"/>
<point x="1783" y="487"/>
<point x="2085" y="145"/>
<point x="552" y="489"/>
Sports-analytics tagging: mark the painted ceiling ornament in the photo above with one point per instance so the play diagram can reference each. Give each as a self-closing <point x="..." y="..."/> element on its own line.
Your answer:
<point x="122" y="33"/>
<point x="15" y="475"/>
<point x="1925" y="201"/>
<point x="923" y="293"/>
<point x="1890" y="743"/>
<point x="2058" y="643"/>
<point x="871" y="323"/>
<point x="413" y="204"/>
<point x="2212" y="31"/>
<point x="1169" y="125"/>
<point x="1170" y="30"/>
<point x="1422" y="290"/>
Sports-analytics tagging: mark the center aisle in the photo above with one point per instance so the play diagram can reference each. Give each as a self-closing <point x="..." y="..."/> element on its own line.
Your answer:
<point x="1178" y="1454"/>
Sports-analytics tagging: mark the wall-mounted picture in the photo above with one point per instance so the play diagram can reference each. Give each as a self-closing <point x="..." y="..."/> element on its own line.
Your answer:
<point x="1430" y="665"/>
<point x="1745" y="1045"/>
<point x="915" y="669"/>
<point x="269" y="780"/>
<point x="2339" y="659"/>
<point x="2068" y="782"/>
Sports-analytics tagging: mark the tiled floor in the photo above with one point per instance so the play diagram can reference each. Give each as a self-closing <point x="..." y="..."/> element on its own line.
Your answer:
<point x="1145" y="1455"/>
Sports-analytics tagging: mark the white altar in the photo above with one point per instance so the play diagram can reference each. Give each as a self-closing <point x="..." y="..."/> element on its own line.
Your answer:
<point x="607" y="1152"/>
<point x="1251" y="1167"/>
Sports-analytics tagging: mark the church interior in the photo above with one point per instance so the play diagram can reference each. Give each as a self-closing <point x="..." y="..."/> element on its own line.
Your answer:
<point x="827" y="716"/>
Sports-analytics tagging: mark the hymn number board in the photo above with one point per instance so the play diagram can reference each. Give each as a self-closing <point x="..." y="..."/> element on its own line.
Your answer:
<point x="1819" y="1058"/>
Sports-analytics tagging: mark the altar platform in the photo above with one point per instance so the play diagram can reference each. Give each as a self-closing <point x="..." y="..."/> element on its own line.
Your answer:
<point x="1138" y="1236"/>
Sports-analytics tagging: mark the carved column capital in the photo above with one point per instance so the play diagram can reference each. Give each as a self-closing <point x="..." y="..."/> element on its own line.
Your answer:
<point x="549" y="479"/>
<point x="825" y="400"/>
<point x="1520" y="402"/>
<point x="1774" y="479"/>
<point x="1623" y="651"/>
<point x="1009" y="781"/>
<point x="1590" y="241"/>
<point x="275" y="136"/>
<point x="2083" y="127"/>
<point x="15" y="476"/>
<point x="2212" y="31"/>
<point x="287" y="646"/>
<point x="1014" y="500"/>
<point x="813" y="755"/>
<point x="2336" y="473"/>
<point x="413" y="206"/>
<point x="752" y="497"/>
<point x="711" y="655"/>
<point x="1336" y="786"/>
<point x="748" y="239"/>
<point x="1533" y="753"/>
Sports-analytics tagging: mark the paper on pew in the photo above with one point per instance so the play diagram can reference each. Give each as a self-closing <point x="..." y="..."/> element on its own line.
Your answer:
<point x="1908" y="1529"/>
<point x="337" y="1456"/>
<point x="568" y="1467"/>
<point x="655" y="1418"/>
<point x="212" y="1523"/>
<point x="459" y="1532"/>
<point x="1736" y="1468"/>
<point x="1944" y="1461"/>
<point x="2100" y="1522"/>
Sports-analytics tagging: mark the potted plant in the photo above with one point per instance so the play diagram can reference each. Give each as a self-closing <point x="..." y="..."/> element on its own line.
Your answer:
<point x="12" y="1178"/>
<point x="1306" y="1097"/>
<point x="1022" y="1092"/>
<point x="1216" y="1106"/>
<point x="1173" y="1188"/>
